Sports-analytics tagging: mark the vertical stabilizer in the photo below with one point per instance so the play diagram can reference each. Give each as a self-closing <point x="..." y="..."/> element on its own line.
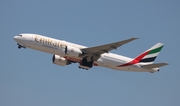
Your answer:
<point x="151" y="54"/>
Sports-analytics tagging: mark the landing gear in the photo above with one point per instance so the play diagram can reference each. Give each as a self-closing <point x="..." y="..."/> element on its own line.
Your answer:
<point x="85" y="64"/>
<point x="19" y="46"/>
<point x="84" y="67"/>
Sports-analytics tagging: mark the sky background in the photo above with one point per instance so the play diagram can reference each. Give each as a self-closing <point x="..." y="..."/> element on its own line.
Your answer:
<point x="29" y="78"/>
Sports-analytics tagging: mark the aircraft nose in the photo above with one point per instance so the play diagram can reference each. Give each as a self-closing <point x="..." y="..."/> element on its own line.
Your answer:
<point x="15" y="38"/>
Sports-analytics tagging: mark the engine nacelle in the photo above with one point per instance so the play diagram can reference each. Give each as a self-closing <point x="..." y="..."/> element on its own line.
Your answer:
<point x="72" y="51"/>
<point x="60" y="60"/>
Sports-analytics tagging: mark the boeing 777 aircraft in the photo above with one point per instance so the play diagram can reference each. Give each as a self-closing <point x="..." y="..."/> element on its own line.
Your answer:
<point x="65" y="53"/>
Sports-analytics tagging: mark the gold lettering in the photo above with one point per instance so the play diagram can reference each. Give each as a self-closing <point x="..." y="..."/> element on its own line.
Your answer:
<point x="45" y="41"/>
<point x="41" y="40"/>
<point x="54" y="43"/>
<point x="58" y="44"/>
<point x="61" y="45"/>
<point x="49" y="42"/>
<point x="36" y="38"/>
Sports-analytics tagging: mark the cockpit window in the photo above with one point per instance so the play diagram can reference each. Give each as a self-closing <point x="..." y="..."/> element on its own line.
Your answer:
<point x="20" y="35"/>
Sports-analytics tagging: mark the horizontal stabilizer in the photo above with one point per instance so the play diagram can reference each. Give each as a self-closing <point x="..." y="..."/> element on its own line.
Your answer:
<point x="156" y="65"/>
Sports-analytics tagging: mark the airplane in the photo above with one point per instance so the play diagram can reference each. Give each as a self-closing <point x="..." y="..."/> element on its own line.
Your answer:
<point x="65" y="53"/>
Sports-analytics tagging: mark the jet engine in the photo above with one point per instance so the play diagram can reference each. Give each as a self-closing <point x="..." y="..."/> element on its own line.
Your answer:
<point x="72" y="51"/>
<point x="58" y="60"/>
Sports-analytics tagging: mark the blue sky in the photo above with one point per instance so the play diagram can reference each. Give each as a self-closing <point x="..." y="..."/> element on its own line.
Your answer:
<point x="29" y="78"/>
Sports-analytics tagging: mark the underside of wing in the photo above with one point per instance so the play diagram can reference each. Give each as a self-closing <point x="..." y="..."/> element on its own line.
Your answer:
<point x="98" y="50"/>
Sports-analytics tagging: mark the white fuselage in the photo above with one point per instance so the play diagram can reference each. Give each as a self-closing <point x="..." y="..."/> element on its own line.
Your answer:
<point x="54" y="46"/>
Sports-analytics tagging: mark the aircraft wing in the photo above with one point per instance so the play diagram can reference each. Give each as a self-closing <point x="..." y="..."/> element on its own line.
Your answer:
<point x="98" y="50"/>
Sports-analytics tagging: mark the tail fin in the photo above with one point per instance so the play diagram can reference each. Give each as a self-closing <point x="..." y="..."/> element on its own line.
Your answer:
<point x="149" y="55"/>
<point x="152" y="53"/>
<point x="146" y="57"/>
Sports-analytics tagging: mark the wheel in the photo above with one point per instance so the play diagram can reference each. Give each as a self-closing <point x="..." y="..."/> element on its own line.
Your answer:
<point x="19" y="47"/>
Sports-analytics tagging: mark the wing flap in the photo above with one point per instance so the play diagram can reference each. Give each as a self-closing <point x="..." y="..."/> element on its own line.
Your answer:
<point x="156" y="65"/>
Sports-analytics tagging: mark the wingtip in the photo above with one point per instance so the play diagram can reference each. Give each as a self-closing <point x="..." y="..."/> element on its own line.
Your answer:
<point x="166" y="63"/>
<point x="134" y="38"/>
